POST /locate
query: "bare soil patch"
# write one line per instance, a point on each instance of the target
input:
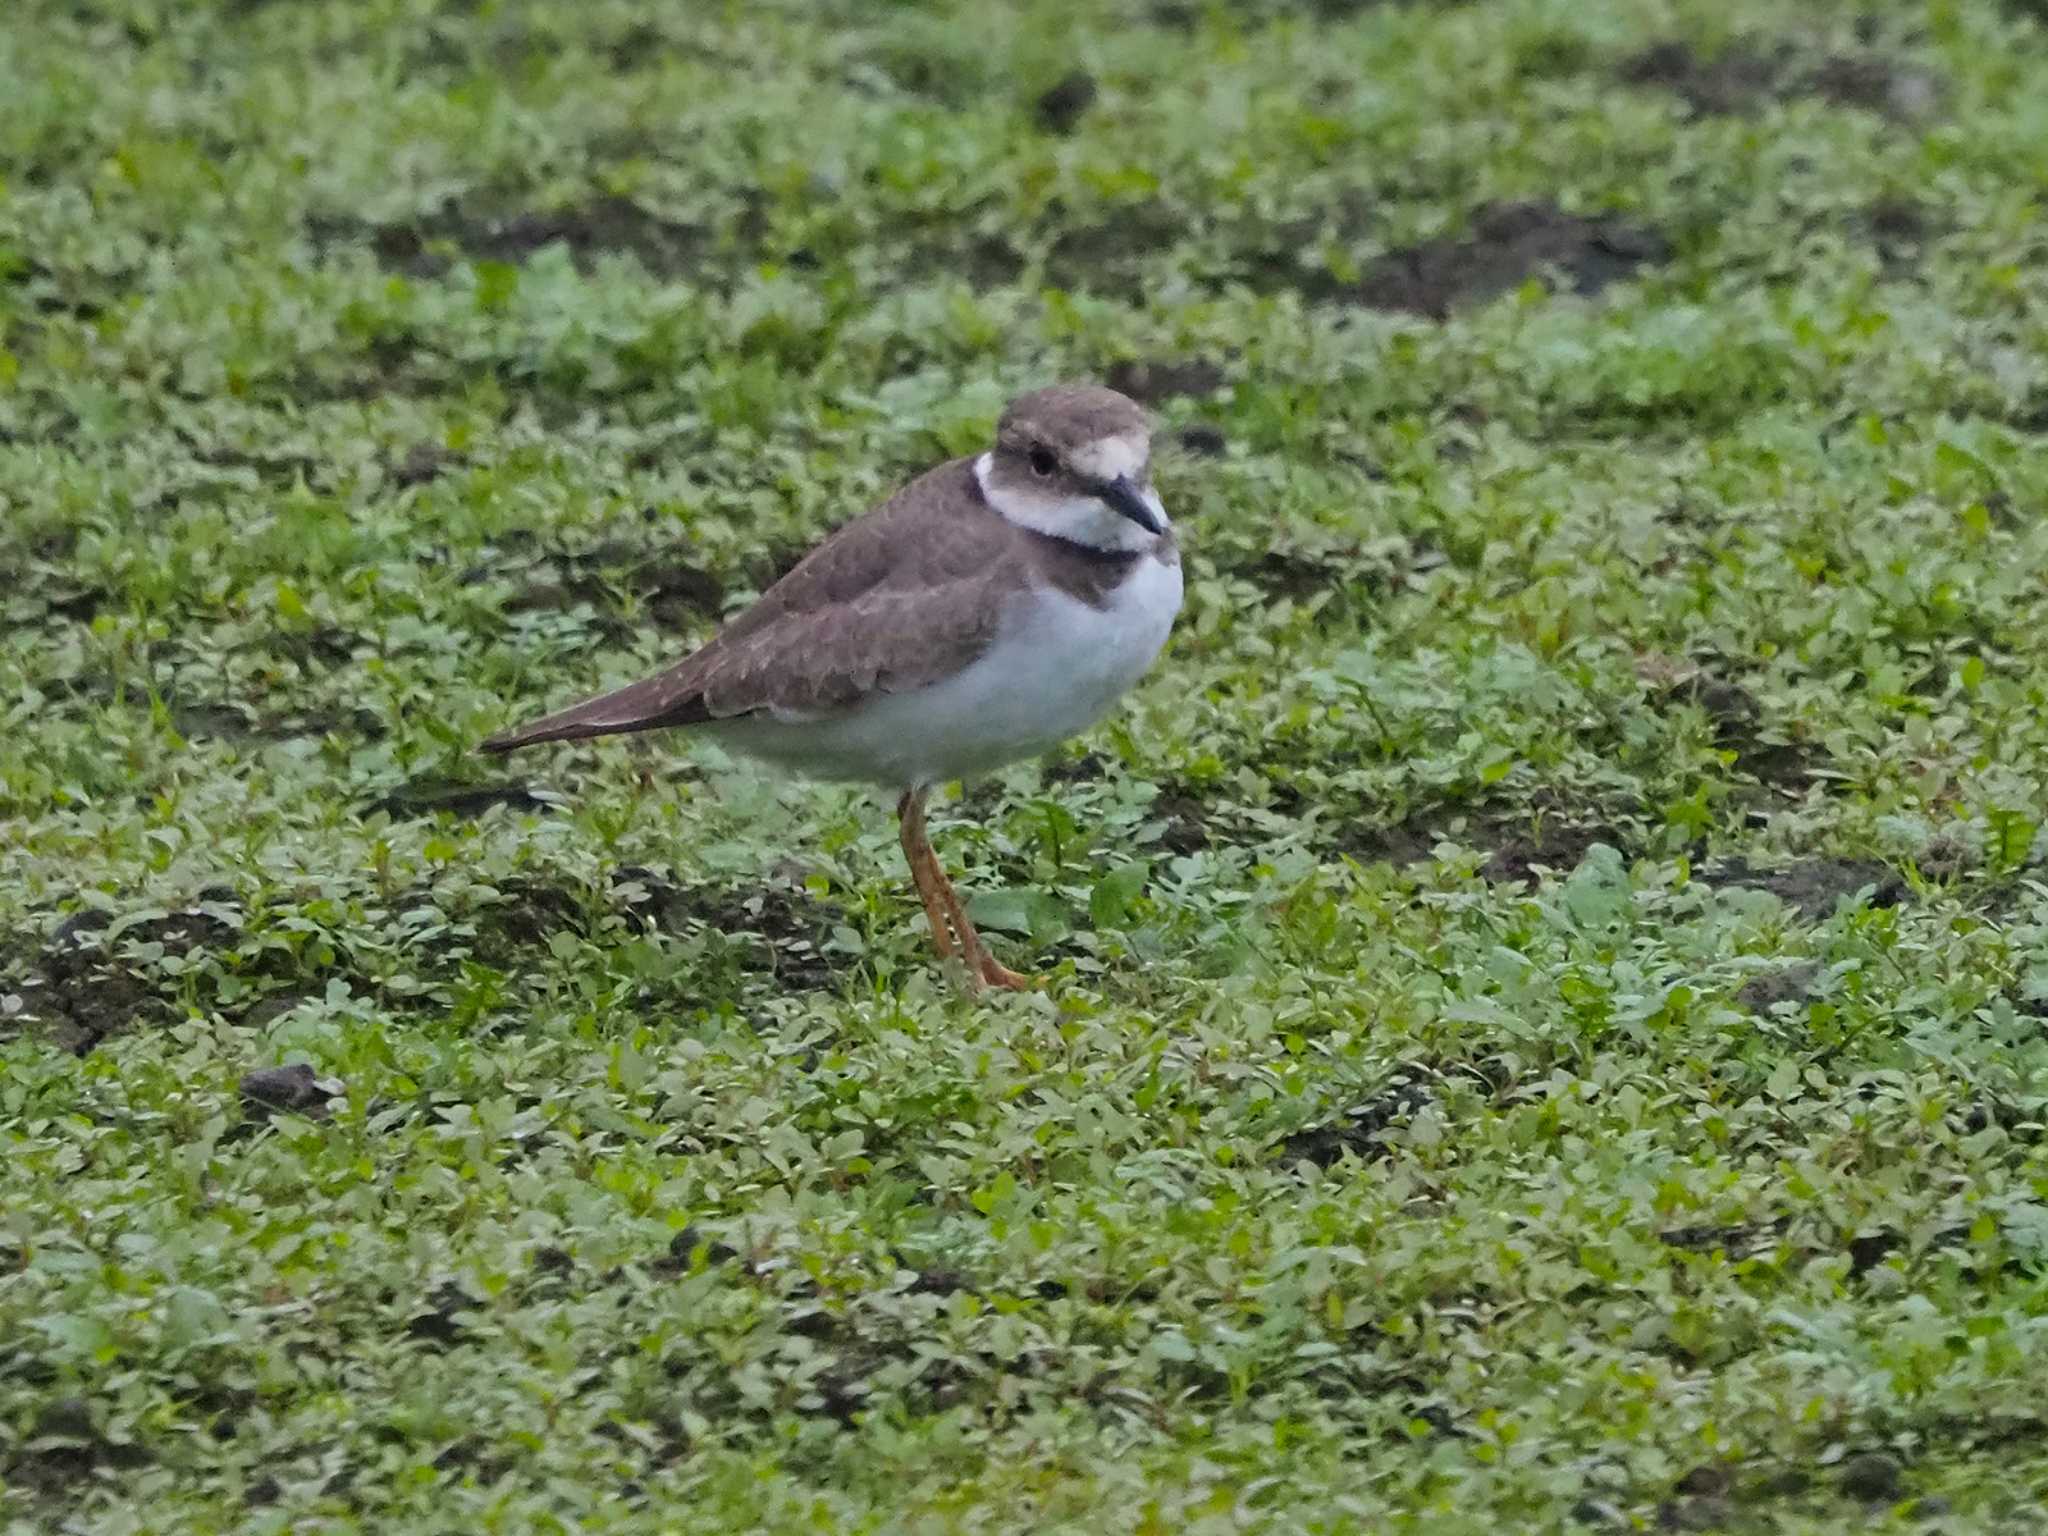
(427, 245)
(667, 586)
(1152, 381)
(1746, 76)
(1061, 108)
(293, 1089)
(1508, 244)
(1814, 887)
(82, 990)
(1786, 984)
(775, 926)
(1362, 1129)
(439, 797)
(1738, 719)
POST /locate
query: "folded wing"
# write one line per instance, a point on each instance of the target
(893, 601)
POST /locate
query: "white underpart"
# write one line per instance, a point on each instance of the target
(1079, 519)
(1056, 666)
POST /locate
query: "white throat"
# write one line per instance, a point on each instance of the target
(1077, 519)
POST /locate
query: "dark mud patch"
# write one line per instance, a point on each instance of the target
(278, 471)
(1288, 574)
(422, 464)
(198, 720)
(1154, 381)
(1187, 15)
(1814, 887)
(1507, 245)
(76, 293)
(1897, 219)
(1873, 1477)
(55, 597)
(1736, 79)
(870, 1338)
(428, 245)
(1552, 846)
(464, 802)
(777, 927)
(1060, 109)
(294, 1089)
(681, 1257)
(661, 582)
(1200, 441)
(1738, 1240)
(1785, 984)
(2027, 414)
(525, 915)
(1112, 257)
(1524, 844)
(1867, 1250)
(1086, 768)
(1352, 575)
(67, 1450)
(1361, 1130)
(317, 645)
(1399, 843)
(1900, 231)
(90, 982)
(1183, 822)
(982, 259)
(1874, 84)
(201, 720)
(1737, 718)
(439, 1325)
(1745, 77)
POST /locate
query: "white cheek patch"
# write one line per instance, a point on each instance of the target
(1080, 519)
(1108, 457)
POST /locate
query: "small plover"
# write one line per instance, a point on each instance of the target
(990, 609)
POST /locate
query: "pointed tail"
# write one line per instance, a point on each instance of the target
(650, 705)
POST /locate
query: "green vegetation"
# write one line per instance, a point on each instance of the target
(1547, 980)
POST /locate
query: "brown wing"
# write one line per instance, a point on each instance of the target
(894, 600)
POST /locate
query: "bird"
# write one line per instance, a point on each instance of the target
(987, 611)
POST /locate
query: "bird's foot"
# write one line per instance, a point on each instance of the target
(995, 974)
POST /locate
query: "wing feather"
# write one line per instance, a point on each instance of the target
(895, 600)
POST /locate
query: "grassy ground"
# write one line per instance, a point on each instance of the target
(1547, 979)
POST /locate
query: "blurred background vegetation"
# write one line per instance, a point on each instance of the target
(1547, 975)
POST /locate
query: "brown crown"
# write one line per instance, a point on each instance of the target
(1069, 416)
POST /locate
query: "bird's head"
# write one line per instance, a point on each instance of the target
(1075, 462)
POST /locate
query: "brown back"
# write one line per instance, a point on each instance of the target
(897, 599)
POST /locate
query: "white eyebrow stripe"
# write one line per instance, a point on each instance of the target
(1108, 457)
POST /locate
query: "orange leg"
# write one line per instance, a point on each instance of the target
(917, 852)
(980, 963)
(951, 931)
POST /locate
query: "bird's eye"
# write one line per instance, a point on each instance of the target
(1043, 463)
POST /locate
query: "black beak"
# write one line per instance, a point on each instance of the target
(1123, 495)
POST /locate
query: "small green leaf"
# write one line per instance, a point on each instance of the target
(496, 282)
(2009, 838)
(1031, 913)
(1110, 902)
